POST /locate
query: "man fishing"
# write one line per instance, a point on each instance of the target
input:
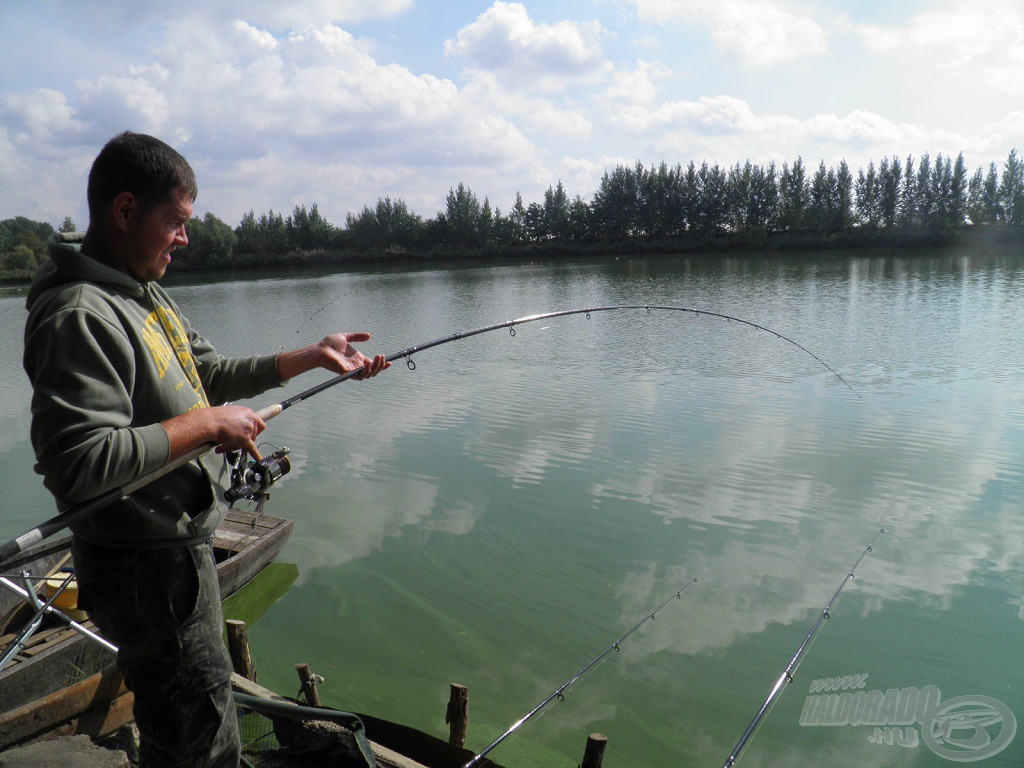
(123, 386)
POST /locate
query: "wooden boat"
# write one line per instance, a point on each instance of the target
(57, 657)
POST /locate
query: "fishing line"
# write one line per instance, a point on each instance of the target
(559, 693)
(787, 674)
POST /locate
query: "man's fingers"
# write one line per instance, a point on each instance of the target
(252, 450)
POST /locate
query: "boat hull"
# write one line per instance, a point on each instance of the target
(58, 657)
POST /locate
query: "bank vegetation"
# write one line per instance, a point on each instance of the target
(636, 209)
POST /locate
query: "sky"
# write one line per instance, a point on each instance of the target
(344, 102)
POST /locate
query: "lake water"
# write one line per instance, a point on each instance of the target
(500, 515)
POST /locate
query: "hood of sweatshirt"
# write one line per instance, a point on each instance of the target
(67, 265)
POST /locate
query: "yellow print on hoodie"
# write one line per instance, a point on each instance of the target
(173, 332)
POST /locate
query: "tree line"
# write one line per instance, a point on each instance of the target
(705, 207)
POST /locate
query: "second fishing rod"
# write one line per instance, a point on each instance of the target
(262, 475)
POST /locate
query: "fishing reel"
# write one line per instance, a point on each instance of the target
(251, 479)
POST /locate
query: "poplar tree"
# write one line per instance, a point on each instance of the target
(1011, 190)
(793, 196)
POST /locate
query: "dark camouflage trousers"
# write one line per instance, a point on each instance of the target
(161, 607)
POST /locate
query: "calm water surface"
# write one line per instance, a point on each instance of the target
(500, 515)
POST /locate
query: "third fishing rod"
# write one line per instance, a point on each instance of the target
(559, 693)
(275, 464)
(787, 674)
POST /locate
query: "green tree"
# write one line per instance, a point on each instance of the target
(517, 221)
(390, 224)
(739, 196)
(579, 220)
(842, 204)
(211, 243)
(556, 214)
(247, 233)
(24, 231)
(534, 224)
(68, 225)
(270, 234)
(463, 223)
(689, 191)
(615, 205)
(983, 197)
(19, 258)
(486, 225)
(712, 212)
(793, 196)
(502, 230)
(1011, 190)
(889, 178)
(762, 204)
(30, 240)
(819, 206)
(954, 204)
(867, 192)
(907, 214)
(308, 230)
(661, 209)
(925, 198)
(262, 237)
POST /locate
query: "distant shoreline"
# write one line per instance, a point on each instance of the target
(714, 246)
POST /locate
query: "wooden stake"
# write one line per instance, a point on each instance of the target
(238, 647)
(457, 715)
(593, 755)
(308, 680)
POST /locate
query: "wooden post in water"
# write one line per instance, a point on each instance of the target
(593, 755)
(457, 715)
(309, 680)
(238, 647)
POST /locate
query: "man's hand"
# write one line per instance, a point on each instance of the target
(342, 357)
(231, 427)
(334, 353)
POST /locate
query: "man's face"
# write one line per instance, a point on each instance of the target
(152, 234)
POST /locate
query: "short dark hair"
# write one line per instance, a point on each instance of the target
(143, 165)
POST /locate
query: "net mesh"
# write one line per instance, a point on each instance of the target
(280, 735)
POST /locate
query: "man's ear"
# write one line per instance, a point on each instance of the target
(124, 208)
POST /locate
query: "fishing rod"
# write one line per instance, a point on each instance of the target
(407, 354)
(559, 692)
(49, 527)
(787, 674)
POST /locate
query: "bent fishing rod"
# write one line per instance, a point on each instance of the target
(559, 693)
(787, 674)
(18, 544)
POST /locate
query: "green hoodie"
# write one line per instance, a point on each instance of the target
(110, 358)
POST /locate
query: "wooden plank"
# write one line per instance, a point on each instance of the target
(96, 706)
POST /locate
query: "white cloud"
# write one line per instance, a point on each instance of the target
(633, 87)
(332, 114)
(753, 33)
(534, 114)
(984, 37)
(270, 13)
(270, 121)
(139, 100)
(718, 114)
(38, 117)
(727, 130)
(505, 40)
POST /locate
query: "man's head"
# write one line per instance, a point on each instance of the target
(144, 166)
(140, 197)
